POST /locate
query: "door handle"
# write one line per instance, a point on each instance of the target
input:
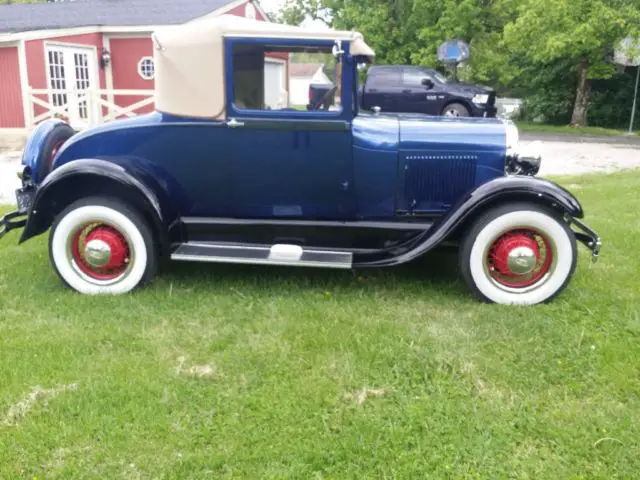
(406, 91)
(233, 123)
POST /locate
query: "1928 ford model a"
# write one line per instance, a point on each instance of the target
(222, 172)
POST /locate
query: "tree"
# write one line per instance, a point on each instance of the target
(409, 31)
(580, 32)
(549, 51)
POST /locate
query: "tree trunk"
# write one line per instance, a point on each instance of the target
(579, 117)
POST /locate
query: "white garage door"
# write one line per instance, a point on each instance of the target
(275, 95)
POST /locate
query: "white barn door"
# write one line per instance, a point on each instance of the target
(275, 85)
(72, 69)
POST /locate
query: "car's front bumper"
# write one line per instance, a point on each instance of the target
(483, 110)
(18, 218)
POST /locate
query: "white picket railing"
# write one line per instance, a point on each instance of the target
(83, 108)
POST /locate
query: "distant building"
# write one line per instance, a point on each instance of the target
(301, 75)
(94, 44)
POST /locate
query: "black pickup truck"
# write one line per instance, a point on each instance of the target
(413, 89)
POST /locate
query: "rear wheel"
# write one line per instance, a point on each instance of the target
(518, 254)
(455, 110)
(99, 246)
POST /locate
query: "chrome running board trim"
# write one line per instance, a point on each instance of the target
(279, 254)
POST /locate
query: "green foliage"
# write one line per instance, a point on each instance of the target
(529, 48)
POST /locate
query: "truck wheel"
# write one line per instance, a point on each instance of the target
(518, 254)
(58, 136)
(455, 110)
(100, 246)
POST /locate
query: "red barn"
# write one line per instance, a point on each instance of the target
(100, 46)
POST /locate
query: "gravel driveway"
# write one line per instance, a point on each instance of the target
(559, 158)
(9, 166)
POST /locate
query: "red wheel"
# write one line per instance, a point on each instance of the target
(54, 150)
(520, 258)
(101, 252)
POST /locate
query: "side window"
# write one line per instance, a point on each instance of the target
(286, 78)
(413, 78)
(384, 78)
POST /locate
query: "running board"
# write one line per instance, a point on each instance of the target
(279, 254)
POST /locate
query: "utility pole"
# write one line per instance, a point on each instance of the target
(635, 98)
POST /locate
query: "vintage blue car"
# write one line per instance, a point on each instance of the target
(226, 171)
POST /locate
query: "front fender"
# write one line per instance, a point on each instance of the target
(494, 192)
(524, 188)
(90, 177)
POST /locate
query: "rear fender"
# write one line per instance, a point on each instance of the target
(91, 177)
(493, 193)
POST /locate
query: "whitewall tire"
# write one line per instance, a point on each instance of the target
(100, 246)
(520, 254)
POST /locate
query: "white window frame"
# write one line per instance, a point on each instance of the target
(140, 72)
(92, 57)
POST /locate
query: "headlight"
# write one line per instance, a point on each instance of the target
(524, 161)
(481, 98)
(513, 136)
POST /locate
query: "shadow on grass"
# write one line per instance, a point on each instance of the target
(437, 270)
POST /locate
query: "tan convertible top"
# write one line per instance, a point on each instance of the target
(189, 60)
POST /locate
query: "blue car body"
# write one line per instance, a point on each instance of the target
(357, 188)
(370, 168)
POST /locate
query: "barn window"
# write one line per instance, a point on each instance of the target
(147, 68)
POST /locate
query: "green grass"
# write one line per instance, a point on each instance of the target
(243, 372)
(531, 127)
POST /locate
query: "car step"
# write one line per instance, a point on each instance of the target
(278, 254)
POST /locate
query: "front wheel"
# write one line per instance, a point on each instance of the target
(100, 246)
(518, 254)
(456, 110)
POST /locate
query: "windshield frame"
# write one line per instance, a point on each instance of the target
(439, 77)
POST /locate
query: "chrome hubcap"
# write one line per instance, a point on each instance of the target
(97, 253)
(522, 260)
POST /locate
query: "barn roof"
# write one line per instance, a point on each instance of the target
(89, 13)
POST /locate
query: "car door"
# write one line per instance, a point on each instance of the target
(287, 163)
(418, 97)
(383, 89)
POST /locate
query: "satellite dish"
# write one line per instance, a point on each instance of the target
(453, 51)
(628, 53)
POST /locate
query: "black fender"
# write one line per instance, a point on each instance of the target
(493, 192)
(88, 177)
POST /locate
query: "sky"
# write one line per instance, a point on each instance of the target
(274, 5)
(271, 5)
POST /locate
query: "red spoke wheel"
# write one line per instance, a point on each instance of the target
(520, 258)
(101, 252)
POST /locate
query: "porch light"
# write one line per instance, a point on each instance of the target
(105, 59)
